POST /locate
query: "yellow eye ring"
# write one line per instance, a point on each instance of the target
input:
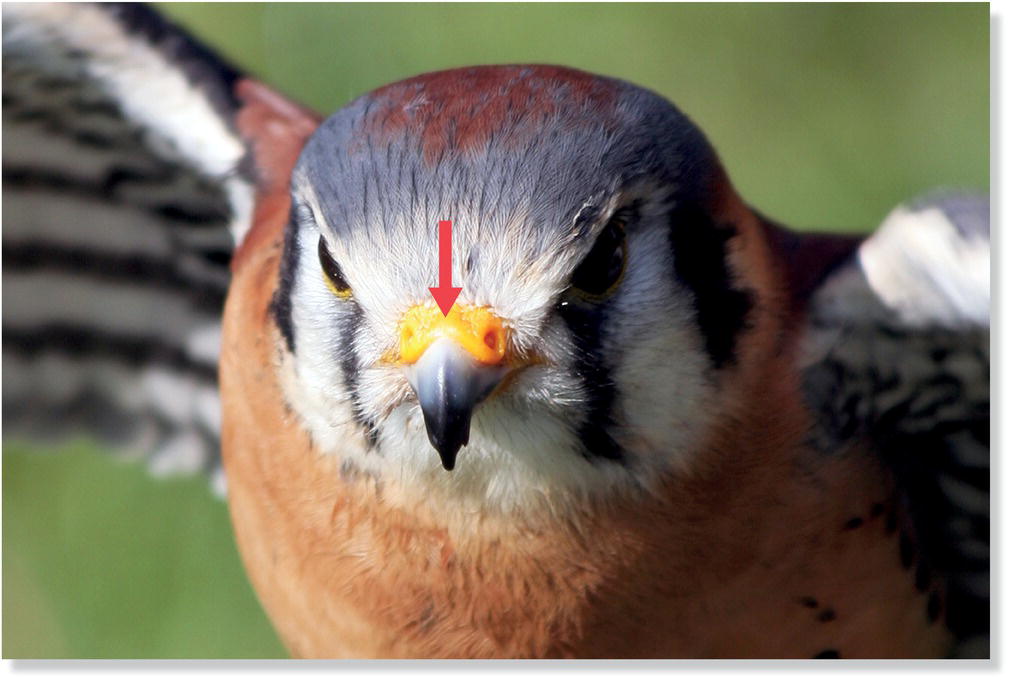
(333, 277)
(340, 293)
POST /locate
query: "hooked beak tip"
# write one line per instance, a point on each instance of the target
(449, 384)
(448, 456)
(448, 432)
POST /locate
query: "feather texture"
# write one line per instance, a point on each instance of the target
(898, 356)
(123, 196)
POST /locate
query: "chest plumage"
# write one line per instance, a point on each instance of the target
(767, 548)
(654, 423)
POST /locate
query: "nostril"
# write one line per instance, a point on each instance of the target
(492, 340)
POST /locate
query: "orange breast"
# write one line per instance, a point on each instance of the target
(754, 558)
(755, 553)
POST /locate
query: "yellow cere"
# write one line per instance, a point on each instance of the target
(476, 329)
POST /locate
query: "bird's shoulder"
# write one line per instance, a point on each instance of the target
(895, 355)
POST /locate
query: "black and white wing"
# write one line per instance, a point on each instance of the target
(898, 357)
(124, 192)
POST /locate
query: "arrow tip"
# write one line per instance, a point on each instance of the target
(445, 297)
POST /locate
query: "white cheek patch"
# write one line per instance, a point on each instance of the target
(664, 401)
(315, 386)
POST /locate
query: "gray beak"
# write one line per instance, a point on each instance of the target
(449, 382)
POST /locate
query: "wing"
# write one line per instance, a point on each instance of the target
(897, 355)
(130, 172)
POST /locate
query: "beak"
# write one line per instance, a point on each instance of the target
(452, 363)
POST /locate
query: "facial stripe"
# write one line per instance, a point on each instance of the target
(699, 252)
(281, 303)
(585, 322)
(349, 360)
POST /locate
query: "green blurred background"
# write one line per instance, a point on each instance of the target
(825, 115)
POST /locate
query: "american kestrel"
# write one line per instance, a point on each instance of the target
(653, 423)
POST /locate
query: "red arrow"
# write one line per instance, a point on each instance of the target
(445, 294)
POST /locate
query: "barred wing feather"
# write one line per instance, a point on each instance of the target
(125, 189)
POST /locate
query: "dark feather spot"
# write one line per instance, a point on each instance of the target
(92, 139)
(906, 551)
(922, 577)
(891, 522)
(876, 511)
(853, 523)
(826, 615)
(189, 214)
(426, 620)
(809, 602)
(827, 654)
(934, 607)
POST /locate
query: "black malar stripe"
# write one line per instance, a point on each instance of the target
(350, 370)
(586, 323)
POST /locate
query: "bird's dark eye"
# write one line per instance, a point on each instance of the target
(332, 272)
(601, 271)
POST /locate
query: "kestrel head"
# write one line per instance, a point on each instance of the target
(598, 308)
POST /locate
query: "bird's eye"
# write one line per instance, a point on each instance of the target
(332, 272)
(601, 271)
